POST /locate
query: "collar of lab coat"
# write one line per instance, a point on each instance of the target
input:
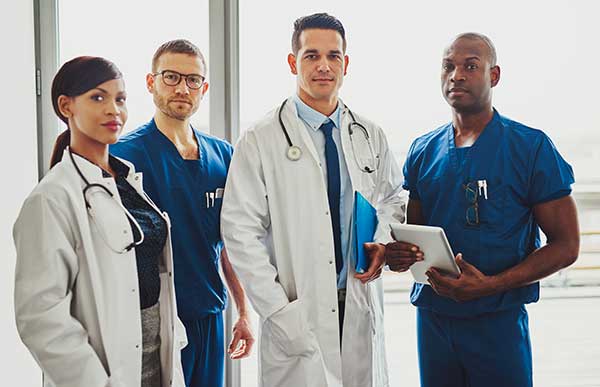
(93, 173)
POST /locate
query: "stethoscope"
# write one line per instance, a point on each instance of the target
(88, 206)
(294, 153)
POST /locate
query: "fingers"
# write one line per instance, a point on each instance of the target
(462, 264)
(234, 342)
(244, 350)
(373, 273)
(399, 268)
(402, 246)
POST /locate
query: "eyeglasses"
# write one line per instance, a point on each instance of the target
(172, 78)
(471, 194)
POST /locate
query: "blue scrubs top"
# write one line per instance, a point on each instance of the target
(522, 168)
(179, 187)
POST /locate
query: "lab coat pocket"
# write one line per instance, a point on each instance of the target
(367, 179)
(289, 330)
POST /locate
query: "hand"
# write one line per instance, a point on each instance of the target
(469, 285)
(400, 256)
(241, 344)
(376, 252)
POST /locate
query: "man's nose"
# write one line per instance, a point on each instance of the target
(182, 87)
(323, 66)
(457, 75)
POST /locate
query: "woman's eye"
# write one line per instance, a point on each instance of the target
(97, 98)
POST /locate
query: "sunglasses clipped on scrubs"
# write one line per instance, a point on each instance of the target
(90, 192)
(294, 153)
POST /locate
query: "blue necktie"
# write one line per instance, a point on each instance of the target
(333, 190)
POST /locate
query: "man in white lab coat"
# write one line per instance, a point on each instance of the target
(286, 222)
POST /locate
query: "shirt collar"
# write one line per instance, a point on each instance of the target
(120, 168)
(313, 118)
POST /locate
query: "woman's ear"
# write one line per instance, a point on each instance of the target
(64, 106)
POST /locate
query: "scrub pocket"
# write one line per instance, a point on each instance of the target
(492, 209)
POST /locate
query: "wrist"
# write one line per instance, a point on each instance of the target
(495, 285)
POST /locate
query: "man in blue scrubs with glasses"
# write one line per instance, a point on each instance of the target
(184, 172)
(491, 183)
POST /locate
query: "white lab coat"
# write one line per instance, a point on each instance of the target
(76, 301)
(277, 230)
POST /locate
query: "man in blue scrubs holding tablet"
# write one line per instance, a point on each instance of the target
(184, 172)
(491, 183)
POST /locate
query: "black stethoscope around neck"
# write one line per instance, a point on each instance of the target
(294, 152)
(86, 191)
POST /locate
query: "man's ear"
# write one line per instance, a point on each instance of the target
(495, 75)
(204, 89)
(346, 61)
(291, 58)
(150, 82)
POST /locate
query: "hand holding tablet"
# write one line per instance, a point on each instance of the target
(433, 250)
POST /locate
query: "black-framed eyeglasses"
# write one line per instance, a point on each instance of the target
(172, 78)
(471, 194)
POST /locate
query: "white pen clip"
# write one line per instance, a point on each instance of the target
(212, 199)
(207, 200)
(482, 186)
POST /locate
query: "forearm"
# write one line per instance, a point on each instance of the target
(234, 285)
(539, 264)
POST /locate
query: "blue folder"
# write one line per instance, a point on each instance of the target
(364, 219)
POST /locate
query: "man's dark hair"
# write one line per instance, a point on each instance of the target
(321, 21)
(178, 46)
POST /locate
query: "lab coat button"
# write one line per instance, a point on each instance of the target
(331, 262)
(124, 231)
(137, 345)
(327, 213)
(333, 310)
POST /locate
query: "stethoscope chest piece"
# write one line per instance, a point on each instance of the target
(294, 153)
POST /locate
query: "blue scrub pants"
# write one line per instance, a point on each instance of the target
(491, 350)
(203, 359)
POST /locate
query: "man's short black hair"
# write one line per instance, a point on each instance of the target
(321, 21)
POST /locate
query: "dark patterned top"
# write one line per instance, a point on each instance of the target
(153, 225)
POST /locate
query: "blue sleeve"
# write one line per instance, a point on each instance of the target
(551, 176)
(410, 172)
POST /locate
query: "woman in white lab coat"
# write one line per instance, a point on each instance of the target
(276, 226)
(94, 295)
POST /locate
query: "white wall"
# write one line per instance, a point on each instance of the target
(18, 168)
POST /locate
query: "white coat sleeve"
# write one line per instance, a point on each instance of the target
(391, 198)
(245, 224)
(46, 269)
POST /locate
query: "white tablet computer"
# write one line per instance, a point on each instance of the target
(433, 243)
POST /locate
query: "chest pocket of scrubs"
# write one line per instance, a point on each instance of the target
(211, 207)
(492, 210)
